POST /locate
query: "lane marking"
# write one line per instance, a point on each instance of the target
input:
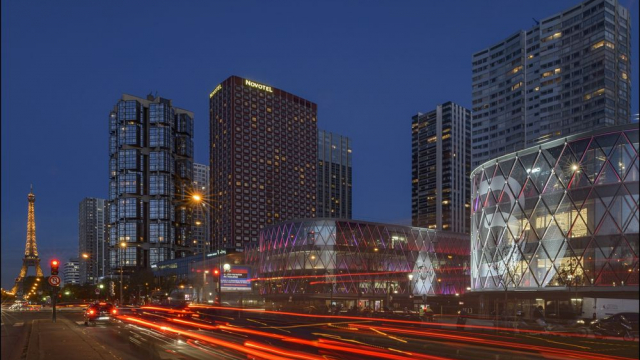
(557, 342)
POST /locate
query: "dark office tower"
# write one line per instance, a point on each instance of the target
(568, 74)
(201, 229)
(92, 245)
(334, 176)
(263, 159)
(440, 168)
(150, 182)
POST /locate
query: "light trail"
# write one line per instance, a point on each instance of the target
(503, 344)
(205, 338)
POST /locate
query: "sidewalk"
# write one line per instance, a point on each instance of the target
(62, 340)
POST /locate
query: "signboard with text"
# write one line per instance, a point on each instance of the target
(236, 279)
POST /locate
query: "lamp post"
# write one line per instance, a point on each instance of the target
(410, 276)
(197, 198)
(123, 246)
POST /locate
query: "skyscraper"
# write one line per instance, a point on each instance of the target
(201, 231)
(150, 182)
(263, 159)
(567, 74)
(440, 168)
(92, 245)
(334, 176)
(71, 272)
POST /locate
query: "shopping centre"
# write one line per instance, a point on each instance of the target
(557, 223)
(318, 262)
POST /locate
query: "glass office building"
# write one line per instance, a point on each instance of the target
(559, 216)
(322, 260)
(440, 167)
(335, 176)
(150, 182)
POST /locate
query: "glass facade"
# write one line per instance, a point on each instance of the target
(335, 176)
(440, 167)
(92, 242)
(560, 215)
(150, 181)
(324, 258)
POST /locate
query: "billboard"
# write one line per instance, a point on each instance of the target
(237, 278)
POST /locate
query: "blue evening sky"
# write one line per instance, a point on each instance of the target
(369, 65)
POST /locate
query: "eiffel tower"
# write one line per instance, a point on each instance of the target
(31, 251)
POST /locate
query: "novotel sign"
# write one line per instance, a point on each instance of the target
(218, 88)
(257, 86)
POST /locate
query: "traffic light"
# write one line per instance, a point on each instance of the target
(54, 267)
(216, 272)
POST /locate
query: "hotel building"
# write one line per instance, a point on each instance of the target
(263, 159)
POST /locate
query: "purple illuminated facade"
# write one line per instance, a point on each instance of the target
(320, 260)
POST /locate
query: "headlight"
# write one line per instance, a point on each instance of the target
(580, 322)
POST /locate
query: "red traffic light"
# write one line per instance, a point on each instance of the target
(54, 267)
(216, 272)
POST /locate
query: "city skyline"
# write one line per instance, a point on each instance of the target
(367, 79)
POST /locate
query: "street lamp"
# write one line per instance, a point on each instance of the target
(410, 276)
(197, 198)
(123, 246)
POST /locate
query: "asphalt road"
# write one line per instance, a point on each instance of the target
(153, 334)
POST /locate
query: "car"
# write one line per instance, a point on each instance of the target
(99, 312)
(623, 324)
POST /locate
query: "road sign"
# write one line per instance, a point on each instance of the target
(97, 291)
(54, 280)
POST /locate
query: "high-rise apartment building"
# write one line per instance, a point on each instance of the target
(440, 168)
(569, 73)
(334, 176)
(201, 230)
(92, 245)
(150, 182)
(263, 159)
(71, 272)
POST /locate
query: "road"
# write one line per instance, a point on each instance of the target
(206, 333)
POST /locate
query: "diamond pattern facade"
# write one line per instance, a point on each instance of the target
(563, 214)
(328, 257)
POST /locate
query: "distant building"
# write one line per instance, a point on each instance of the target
(201, 230)
(568, 74)
(150, 182)
(334, 176)
(263, 159)
(92, 243)
(440, 167)
(72, 272)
